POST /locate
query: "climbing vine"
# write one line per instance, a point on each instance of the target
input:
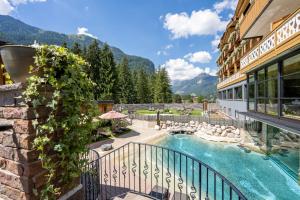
(62, 137)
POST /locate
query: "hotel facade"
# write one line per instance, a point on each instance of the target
(259, 76)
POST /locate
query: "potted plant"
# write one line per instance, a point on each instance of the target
(17, 59)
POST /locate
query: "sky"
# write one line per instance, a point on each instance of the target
(180, 35)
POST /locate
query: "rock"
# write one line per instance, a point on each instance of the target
(176, 123)
(192, 123)
(223, 128)
(237, 131)
(168, 122)
(219, 130)
(163, 126)
(209, 132)
(169, 128)
(217, 126)
(230, 135)
(106, 147)
(224, 133)
(156, 127)
(228, 130)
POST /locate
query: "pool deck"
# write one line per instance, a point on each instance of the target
(141, 131)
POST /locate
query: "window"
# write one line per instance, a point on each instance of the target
(230, 93)
(238, 92)
(264, 89)
(291, 87)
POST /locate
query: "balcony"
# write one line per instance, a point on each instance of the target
(235, 78)
(254, 12)
(145, 171)
(284, 37)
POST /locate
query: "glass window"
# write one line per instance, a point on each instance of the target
(271, 106)
(272, 72)
(238, 92)
(261, 105)
(251, 78)
(230, 93)
(272, 88)
(261, 75)
(291, 87)
(261, 89)
(251, 104)
(251, 91)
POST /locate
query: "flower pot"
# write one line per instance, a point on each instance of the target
(17, 59)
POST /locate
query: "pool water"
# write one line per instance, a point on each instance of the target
(256, 176)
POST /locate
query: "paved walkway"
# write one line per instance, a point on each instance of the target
(141, 131)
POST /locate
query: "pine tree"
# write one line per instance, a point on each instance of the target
(93, 57)
(142, 87)
(76, 49)
(162, 87)
(126, 88)
(134, 76)
(108, 84)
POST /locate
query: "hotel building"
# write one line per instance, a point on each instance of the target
(259, 76)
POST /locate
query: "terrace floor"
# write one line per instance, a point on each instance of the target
(141, 131)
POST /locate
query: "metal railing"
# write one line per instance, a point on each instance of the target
(185, 119)
(155, 172)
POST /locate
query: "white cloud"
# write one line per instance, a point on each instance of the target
(7, 6)
(199, 57)
(180, 69)
(225, 4)
(84, 31)
(169, 46)
(215, 43)
(201, 22)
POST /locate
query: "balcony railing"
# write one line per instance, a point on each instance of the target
(230, 79)
(155, 172)
(278, 37)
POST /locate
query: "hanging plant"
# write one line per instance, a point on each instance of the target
(6, 76)
(62, 137)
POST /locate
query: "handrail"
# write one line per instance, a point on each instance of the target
(112, 171)
(272, 40)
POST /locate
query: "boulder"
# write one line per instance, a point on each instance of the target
(219, 130)
(224, 133)
(217, 126)
(230, 135)
(228, 130)
(156, 127)
(168, 122)
(163, 126)
(223, 128)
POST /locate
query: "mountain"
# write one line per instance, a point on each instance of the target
(17, 32)
(203, 84)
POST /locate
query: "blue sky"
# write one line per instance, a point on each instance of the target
(180, 35)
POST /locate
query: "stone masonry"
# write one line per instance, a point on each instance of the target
(21, 173)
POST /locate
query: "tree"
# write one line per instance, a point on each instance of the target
(177, 98)
(162, 88)
(76, 49)
(142, 87)
(108, 84)
(125, 85)
(65, 45)
(200, 99)
(93, 58)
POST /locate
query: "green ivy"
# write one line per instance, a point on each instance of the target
(63, 137)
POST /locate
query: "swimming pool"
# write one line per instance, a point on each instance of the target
(254, 174)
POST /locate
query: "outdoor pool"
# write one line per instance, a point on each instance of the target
(256, 176)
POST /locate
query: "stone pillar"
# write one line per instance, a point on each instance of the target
(21, 173)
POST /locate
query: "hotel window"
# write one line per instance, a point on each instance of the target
(238, 93)
(251, 92)
(261, 86)
(272, 90)
(220, 95)
(230, 93)
(291, 87)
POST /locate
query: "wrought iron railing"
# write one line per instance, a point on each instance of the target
(155, 172)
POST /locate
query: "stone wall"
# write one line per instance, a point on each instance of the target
(21, 172)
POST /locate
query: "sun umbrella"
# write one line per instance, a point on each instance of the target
(113, 115)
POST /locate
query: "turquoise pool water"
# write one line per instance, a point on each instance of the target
(252, 173)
